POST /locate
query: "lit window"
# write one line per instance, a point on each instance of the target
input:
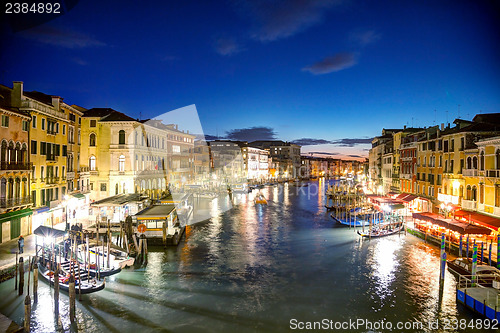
(121, 163)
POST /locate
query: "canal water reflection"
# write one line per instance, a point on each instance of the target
(256, 268)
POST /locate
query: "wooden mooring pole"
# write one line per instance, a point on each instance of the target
(72, 297)
(56, 292)
(35, 280)
(15, 284)
(27, 313)
(21, 276)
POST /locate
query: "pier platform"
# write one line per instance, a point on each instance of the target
(481, 299)
(9, 326)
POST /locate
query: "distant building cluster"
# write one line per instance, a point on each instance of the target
(451, 169)
(59, 158)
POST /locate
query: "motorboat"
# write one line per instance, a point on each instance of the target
(260, 199)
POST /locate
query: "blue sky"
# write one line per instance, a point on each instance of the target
(320, 70)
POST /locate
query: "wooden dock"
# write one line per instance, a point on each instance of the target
(480, 299)
(9, 326)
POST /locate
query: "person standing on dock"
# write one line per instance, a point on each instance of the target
(20, 244)
(67, 245)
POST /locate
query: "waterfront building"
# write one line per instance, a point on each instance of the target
(15, 169)
(285, 156)
(256, 163)
(408, 163)
(201, 163)
(227, 162)
(47, 152)
(180, 145)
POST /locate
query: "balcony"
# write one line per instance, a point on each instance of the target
(52, 180)
(52, 158)
(469, 204)
(70, 175)
(51, 132)
(14, 202)
(15, 166)
(470, 172)
(35, 105)
(491, 173)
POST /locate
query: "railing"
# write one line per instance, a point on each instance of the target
(15, 166)
(70, 175)
(51, 132)
(493, 173)
(32, 104)
(469, 204)
(470, 172)
(52, 158)
(13, 202)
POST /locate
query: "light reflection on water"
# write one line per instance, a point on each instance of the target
(255, 268)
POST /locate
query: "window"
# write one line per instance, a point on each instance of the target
(92, 163)
(497, 159)
(5, 121)
(176, 149)
(103, 187)
(43, 124)
(481, 193)
(64, 150)
(79, 135)
(25, 126)
(481, 161)
(64, 129)
(121, 137)
(92, 140)
(41, 172)
(57, 127)
(43, 148)
(93, 123)
(121, 163)
(497, 195)
(33, 121)
(33, 146)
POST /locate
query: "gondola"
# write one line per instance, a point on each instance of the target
(381, 232)
(88, 285)
(463, 266)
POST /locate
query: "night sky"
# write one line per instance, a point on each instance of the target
(332, 73)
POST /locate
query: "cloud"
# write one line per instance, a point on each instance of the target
(352, 142)
(80, 61)
(65, 38)
(355, 156)
(284, 18)
(320, 153)
(331, 64)
(226, 46)
(310, 142)
(251, 134)
(365, 37)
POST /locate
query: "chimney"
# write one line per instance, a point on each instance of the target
(442, 126)
(56, 100)
(17, 93)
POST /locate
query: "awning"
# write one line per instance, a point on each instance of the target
(397, 206)
(409, 197)
(44, 231)
(481, 219)
(78, 195)
(455, 225)
(15, 214)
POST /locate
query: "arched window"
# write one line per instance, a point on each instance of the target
(481, 193)
(474, 162)
(92, 140)
(469, 192)
(469, 163)
(497, 159)
(474, 193)
(4, 151)
(116, 188)
(121, 163)
(121, 137)
(461, 193)
(481, 161)
(92, 163)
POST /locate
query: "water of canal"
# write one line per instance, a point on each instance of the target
(267, 269)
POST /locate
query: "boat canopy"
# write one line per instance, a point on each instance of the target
(48, 232)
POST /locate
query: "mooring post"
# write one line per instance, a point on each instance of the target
(27, 313)
(15, 285)
(79, 283)
(21, 276)
(35, 281)
(72, 297)
(56, 292)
